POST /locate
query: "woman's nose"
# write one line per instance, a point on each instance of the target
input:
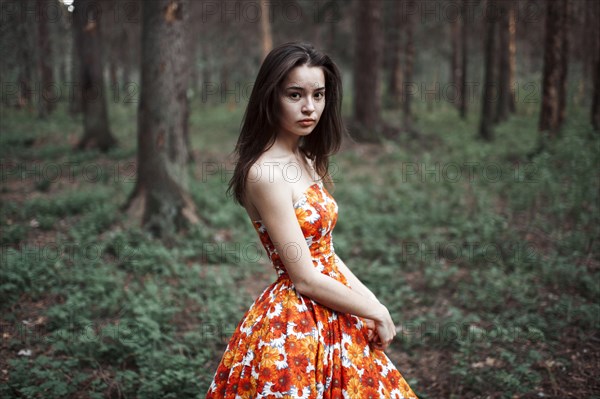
(308, 106)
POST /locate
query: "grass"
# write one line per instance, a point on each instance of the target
(487, 259)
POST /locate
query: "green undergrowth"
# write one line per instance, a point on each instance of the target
(478, 250)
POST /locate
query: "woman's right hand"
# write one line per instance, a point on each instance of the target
(385, 329)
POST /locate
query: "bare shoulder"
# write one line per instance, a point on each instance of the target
(266, 179)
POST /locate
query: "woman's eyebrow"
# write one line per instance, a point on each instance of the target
(302, 89)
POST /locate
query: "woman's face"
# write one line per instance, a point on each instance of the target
(302, 100)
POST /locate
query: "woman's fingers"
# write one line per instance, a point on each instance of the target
(385, 331)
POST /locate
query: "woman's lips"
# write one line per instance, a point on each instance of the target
(306, 122)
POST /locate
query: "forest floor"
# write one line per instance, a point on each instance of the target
(494, 281)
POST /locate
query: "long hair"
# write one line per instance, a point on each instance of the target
(260, 123)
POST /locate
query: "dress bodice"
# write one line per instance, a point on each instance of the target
(317, 213)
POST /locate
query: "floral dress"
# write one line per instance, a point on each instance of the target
(289, 346)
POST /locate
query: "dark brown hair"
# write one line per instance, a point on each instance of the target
(259, 128)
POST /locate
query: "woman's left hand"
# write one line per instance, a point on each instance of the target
(371, 328)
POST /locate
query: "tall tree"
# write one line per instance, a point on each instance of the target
(512, 54)
(395, 82)
(75, 95)
(86, 19)
(160, 197)
(595, 112)
(367, 65)
(409, 62)
(46, 103)
(455, 58)
(265, 25)
(564, 61)
(24, 55)
(595, 60)
(504, 89)
(487, 110)
(553, 68)
(464, 50)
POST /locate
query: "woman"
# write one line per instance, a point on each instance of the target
(317, 331)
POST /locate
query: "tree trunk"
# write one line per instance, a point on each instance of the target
(97, 134)
(464, 40)
(564, 61)
(126, 62)
(409, 59)
(265, 25)
(160, 197)
(487, 111)
(455, 59)
(44, 61)
(24, 57)
(75, 100)
(550, 110)
(112, 73)
(512, 55)
(595, 58)
(395, 85)
(551, 84)
(503, 103)
(367, 67)
(596, 99)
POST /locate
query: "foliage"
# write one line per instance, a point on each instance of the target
(492, 267)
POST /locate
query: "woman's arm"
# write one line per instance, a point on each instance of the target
(354, 281)
(272, 197)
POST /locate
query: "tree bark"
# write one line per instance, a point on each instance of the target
(512, 55)
(455, 58)
(75, 98)
(487, 111)
(367, 67)
(564, 61)
(395, 83)
(44, 60)
(595, 58)
(409, 58)
(464, 40)
(551, 85)
(503, 103)
(97, 134)
(265, 25)
(160, 197)
(24, 57)
(596, 97)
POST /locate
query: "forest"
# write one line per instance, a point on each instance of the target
(468, 189)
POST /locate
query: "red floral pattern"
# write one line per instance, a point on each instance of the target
(289, 346)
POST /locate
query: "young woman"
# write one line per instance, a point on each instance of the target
(317, 331)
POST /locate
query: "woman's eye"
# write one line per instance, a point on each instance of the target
(295, 96)
(319, 96)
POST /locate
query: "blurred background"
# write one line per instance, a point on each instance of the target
(468, 188)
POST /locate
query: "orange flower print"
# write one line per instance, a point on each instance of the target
(354, 389)
(370, 393)
(308, 344)
(228, 359)
(369, 379)
(355, 353)
(300, 381)
(248, 391)
(266, 374)
(298, 361)
(278, 326)
(269, 357)
(351, 373)
(250, 319)
(282, 383)
(303, 325)
(289, 346)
